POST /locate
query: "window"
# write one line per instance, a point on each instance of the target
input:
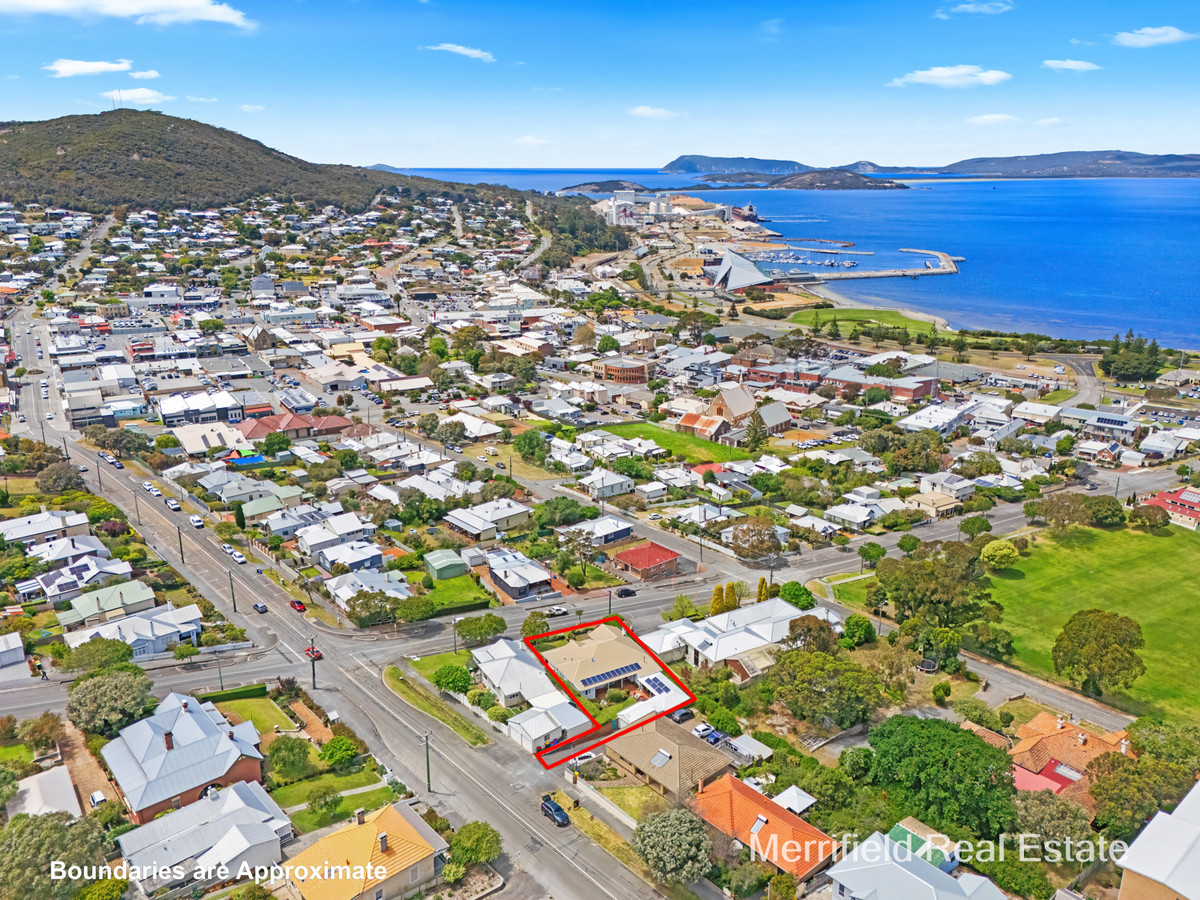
(414, 875)
(378, 893)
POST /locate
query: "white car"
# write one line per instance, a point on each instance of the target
(556, 611)
(654, 517)
(238, 557)
(155, 492)
(49, 415)
(196, 521)
(703, 730)
(482, 458)
(147, 486)
(582, 758)
(228, 549)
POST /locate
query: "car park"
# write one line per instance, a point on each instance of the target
(196, 521)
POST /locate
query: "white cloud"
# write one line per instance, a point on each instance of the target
(652, 112)
(251, 107)
(993, 119)
(1070, 65)
(1048, 123)
(192, 99)
(1077, 42)
(989, 8)
(11, 77)
(529, 140)
(952, 77)
(771, 26)
(138, 96)
(147, 74)
(1153, 37)
(69, 68)
(143, 12)
(469, 52)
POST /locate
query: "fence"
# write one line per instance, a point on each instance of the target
(594, 796)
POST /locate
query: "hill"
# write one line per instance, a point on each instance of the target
(693, 163)
(604, 187)
(1070, 164)
(145, 158)
(833, 180)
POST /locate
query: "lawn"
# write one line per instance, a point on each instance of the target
(262, 711)
(427, 665)
(432, 705)
(18, 752)
(638, 800)
(598, 578)
(457, 591)
(1078, 570)
(305, 821)
(1058, 396)
(697, 450)
(297, 793)
(889, 318)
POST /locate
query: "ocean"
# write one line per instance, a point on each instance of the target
(1082, 258)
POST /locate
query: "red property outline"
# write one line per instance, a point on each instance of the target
(596, 726)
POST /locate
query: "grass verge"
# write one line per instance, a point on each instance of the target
(431, 705)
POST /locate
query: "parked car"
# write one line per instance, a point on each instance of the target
(703, 730)
(81, 468)
(238, 557)
(554, 812)
(680, 716)
(298, 606)
(96, 798)
(196, 521)
(626, 592)
(117, 464)
(586, 756)
(155, 492)
(715, 737)
(172, 504)
(228, 548)
(260, 607)
(556, 611)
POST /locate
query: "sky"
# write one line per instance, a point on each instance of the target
(535, 84)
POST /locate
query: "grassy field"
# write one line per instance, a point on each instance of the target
(889, 318)
(434, 706)
(305, 821)
(459, 591)
(638, 800)
(697, 450)
(18, 752)
(1144, 576)
(427, 665)
(295, 794)
(262, 711)
(1058, 396)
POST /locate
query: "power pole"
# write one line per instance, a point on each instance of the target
(179, 533)
(232, 595)
(312, 658)
(66, 453)
(428, 778)
(137, 511)
(220, 674)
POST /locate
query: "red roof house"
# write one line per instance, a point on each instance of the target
(648, 561)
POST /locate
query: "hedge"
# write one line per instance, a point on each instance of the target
(238, 693)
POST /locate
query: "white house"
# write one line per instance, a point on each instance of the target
(603, 483)
(148, 633)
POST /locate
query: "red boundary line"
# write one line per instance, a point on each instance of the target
(596, 726)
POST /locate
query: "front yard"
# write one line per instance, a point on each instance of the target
(697, 450)
(637, 800)
(452, 592)
(305, 821)
(427, 665)
(297, 793)
(262, 711)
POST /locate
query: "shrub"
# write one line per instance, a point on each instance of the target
(859, 630)
(451, 677)
(499, 714)
(340, 752)
(797, 594)
(616, 695)
(453, 872)
(723, 720)
(941, 693)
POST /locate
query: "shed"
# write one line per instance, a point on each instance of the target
(443, 564)
(12, 649)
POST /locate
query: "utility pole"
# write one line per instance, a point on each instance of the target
(232, 595)
(312, 658)
(220, 674)
(179, 533)
(428, 778)
(137, 510)
(66, 453)
(610, 601)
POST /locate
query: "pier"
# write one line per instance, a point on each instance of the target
(947, 265)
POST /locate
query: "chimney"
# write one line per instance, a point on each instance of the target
(169, 740)
(1082, 739)
(1059, 721)
(230, 733)
(360, 816)
(1124, 747)
(184, 705)
(383, 842)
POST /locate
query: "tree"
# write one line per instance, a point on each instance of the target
(754, 538)
(908, 543)
(717, 604)
(226, 531)
(683, 607)
(812, 635)
(1148, 517)
(674, 845)
(428, 423)
(475, 843)
(289, 756)
(323, 799)
(608, 344)
(783, 885)
(577, 543)
(535, 623)
(1104, 511)
(32, 843)
(102, 511)
(817, 685)
(979, 712)
(859, 630)
(8, 784)
(999, 555)
(1128, 793)
(973, 526)
(797, 594)
(1099, 649)
(453, 678)
(530, 444)
(949, 773)
(416, 609)
(43, 732)
(724, 720)
(98, 653)
(339, 751)
(941, 693)
(59, 478)
(186, 651)
(1177, 742)
(947, 589)
(871, 553)
(1062, 510)
(371, 607)
(1051, 818)
(108, 703)
(761, 593)
(275, 443)
(479, 629)
(451, 433)
(756, 433)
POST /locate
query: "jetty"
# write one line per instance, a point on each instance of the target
(947, 265)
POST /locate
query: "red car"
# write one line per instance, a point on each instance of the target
(313, 653)
(298, 606)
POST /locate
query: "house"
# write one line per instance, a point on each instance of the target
(60, 585)
(854, 516)
(1182, 506)
(1107, 452)
(509, 670)
(43, 527)
(231, 826)
(1165, 443)
(1053, 754)
(343, 588)
(386, 854)
(539, 727)
(651, 490)
(603, 483)
(333, 531)
(148, 633)
(934, 504)
(513, 573)
(624, 370)
(880, 867)
(601, 531)
(49, 791)
(173, 757)
(1163, 863)
(64, 551)
(649, 561)
(107, 605)
(948, 483)
(668, 758)
(773, 834)
(467, 523)
(354, 555)
(504, 513)
(443, 564)
(734, 405)
(605, 658)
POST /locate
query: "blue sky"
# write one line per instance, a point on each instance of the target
(529, 83)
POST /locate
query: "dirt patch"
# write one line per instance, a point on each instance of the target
(313, 726)
(87, 774)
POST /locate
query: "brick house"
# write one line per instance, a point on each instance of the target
(649, 561)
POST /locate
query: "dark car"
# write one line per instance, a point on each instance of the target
(118, 465)
(298, 606)
(680, 716)
(260, 607)
(626, 592)
(554, 812)
(716, 737)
